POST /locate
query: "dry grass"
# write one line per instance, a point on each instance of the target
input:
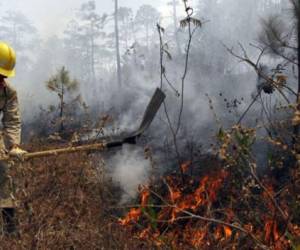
(67, 202)
(63, 205)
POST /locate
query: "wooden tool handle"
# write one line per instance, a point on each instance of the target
(53, 152)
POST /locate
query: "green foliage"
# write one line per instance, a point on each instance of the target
(274, 34)
(294, 242)
(190, 20)
(152, 215)
(244, 139)
(61, 82)
(221, 134)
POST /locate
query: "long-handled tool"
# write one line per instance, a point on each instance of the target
(152, 108)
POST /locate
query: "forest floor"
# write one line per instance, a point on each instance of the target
(69, 202)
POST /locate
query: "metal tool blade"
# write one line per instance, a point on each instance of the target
(151, 110)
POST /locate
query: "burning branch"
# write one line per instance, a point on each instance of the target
(179, 206)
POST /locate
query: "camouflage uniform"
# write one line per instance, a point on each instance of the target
(10, 135)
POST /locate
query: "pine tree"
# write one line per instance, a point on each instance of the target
(62, 85)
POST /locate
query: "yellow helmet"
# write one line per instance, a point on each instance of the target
(7, 60)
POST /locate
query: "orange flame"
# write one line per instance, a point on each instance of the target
(275, 232)
(146, 233)
(174, 194)
(198, 237)
(204, 194)
(185, 166)
(218, 233)
(269, 191)
(201, 200)
(144, 197)
(185, 200)
(228, 232)
(222, 230)
(271, 231)
(133, 215)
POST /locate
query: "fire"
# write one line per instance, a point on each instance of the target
(169, 221)
(271, 231)
(197, 238)
(144, 233)
(224, 232)
(276, 235)
(269, 191)
(144, 197)
(205, 194)
(228, 232)
(185, 166)
(135, 213)
(218, 233)
(175, 194)
(153, 235)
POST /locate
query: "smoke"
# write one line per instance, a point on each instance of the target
(207, 46)
(213, 74)
(130, 169)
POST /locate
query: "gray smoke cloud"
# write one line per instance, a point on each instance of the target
(212, 70)
(130, 169)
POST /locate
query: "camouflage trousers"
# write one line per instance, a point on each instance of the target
(6, 182)
(6, 187)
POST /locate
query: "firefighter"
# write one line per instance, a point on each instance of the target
(10, 135)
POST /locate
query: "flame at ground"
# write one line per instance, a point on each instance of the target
(185, 166)
(135, 213)
(271, 231)
(203, 195)
(169, 215)
(179, 201)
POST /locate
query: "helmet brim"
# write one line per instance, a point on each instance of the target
(7, 73)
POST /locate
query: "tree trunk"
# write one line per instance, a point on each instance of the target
(175, 23)
(297, 127)
(61, 115)
(93, 54)
(147, 36)
(117, 45)
(298, 36)
(125, 25)
(298, 92)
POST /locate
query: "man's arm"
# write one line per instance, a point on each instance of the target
(11, 119)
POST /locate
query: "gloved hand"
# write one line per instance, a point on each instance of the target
(17, 152)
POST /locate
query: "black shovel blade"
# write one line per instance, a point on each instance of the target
(151, 110)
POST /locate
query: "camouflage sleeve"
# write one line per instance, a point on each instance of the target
(11, 119)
